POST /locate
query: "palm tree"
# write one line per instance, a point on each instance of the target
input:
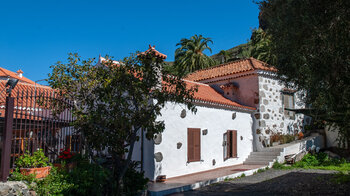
(189, 56)
(224, 56)
(261, 46)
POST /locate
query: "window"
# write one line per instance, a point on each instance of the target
(230, 144)
(288, 102)
(193, 144)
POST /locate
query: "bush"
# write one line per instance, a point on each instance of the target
(86, 179)
(38, 159)
(89, 179)
(55, 183)
(134, 181)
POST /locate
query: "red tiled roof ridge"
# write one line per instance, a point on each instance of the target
(156, 52)
(238, 66)
(28, 84)
(8, 73)
(194, 82)
(220, 65)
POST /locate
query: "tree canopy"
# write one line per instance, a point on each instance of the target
(261, 46)
(310, 39)
(190, 55)
(114, 101)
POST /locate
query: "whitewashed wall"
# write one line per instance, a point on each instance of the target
(148, 155)
(217, 122)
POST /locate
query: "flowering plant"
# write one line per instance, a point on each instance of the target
(66, 155)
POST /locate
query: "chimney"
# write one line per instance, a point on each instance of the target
(20, 73)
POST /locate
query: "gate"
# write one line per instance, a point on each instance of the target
(35, 117)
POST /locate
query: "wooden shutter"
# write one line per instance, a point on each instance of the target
(231, 143)
(234, 143)
(225, 146)
(197, 144)
(193, 144)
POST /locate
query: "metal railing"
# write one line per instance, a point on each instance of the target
(35, 119)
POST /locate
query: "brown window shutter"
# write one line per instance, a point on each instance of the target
(234, 143)
(190, 145)
(193, 144)
(197, 144)
(229, 144)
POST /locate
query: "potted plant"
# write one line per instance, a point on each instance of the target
(37, 164)
(66, 159)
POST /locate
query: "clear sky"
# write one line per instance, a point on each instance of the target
(36, 34)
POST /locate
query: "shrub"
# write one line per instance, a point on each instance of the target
(89, 179)
(134, 181)
(38, 159)
(287, 139)
(55, 183)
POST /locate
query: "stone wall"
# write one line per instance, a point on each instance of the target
(15, 188)
(270, 117)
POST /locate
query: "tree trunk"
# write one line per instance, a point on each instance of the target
(124, 166)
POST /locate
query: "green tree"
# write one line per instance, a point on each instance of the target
(114, 102)
(311, 39)
(224, 56)
(261, 46)
(190, 55)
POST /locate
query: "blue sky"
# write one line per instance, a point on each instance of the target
(36, 34)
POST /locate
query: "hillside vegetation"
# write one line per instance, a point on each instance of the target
(237, 52)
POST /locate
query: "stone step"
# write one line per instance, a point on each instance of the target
(256, 162)
(271, 150)
(261, 155)
(261, 159)
(267, 153)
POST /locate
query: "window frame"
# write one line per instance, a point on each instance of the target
(291, 104)
(228, 138)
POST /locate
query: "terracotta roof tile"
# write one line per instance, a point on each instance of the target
(208, 94)
(7, 73)
(25, 92)
(153, 50)
(234, 67)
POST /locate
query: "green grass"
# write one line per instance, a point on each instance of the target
(318, 161)
(230, 179)
(261, 170)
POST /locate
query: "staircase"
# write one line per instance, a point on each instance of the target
(264, 157)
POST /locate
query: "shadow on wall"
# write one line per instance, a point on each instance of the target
(158, 170)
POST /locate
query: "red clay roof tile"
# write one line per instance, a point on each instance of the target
(234, 67)
(153, 50)
(208, 94)
(7, 73)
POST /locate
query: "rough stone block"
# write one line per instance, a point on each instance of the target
(158, 156)
(266, 116)
(157, 138)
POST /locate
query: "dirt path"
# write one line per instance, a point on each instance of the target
(278, 182)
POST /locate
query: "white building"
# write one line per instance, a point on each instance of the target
(239, 105)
